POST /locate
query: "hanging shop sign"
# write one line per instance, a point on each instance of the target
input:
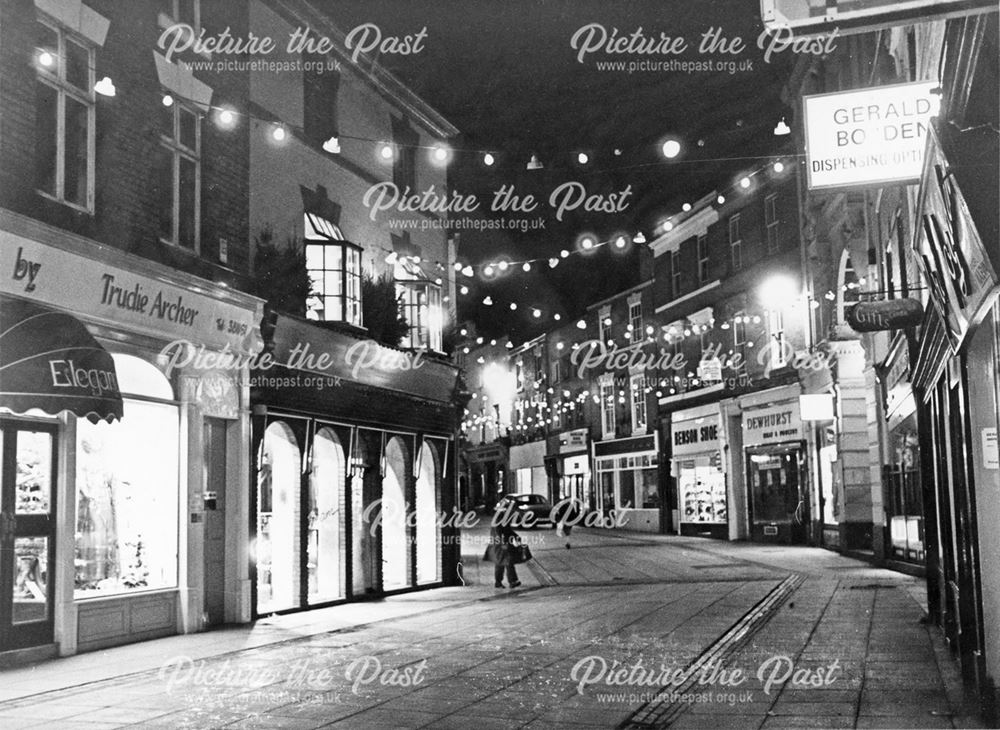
(859, 16)
(120, 297)
(882, 316)
(868, 136)
(696, 436)
(948, 246)
(772, 425)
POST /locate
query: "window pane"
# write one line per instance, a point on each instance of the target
(77, 66)
(167, 119)
(127, 501)
(314, 256)
(332, 283)
(188, 129)
(333, 308)
(75, 181)
(31, 566)
(47, 41)
(163, 182)
(187, 232)
(34, 472)
(46, 138)
(186, 12)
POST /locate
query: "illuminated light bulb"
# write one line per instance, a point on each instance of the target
(513, 306)
(671, 148)
(525, 266)
(668, 226)
(488, 301)
(332, 146)
(489, 159)
(488, 271)
(168, 100)
(559, 345)
(564, 253)
(620, 242)
(105, 87)
(503, 265)
(225, 118)
(385, 152)
(649, 330)
(278, 134)
(639, 238)
(465, 350)
(467, 271)
(581, 324)
(721, 199)
(46, 59)
(583, 158)
(618, 152)
(479, 340)
(493, 343)
(779, 166)
(464, 290)
(553, 263)
(587, 243)
(463, 332)
(440, 154)
(686, 207)
(607, 322)
(556, 317)
(458, 266)
(745, 183)
(536, 313)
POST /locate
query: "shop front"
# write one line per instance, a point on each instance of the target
(354, 462)
(571, 464)
(124, 416)
(697, 467)
(776, 468)
(955, 379)
(627, 481)
(903, 497)
(527, 469)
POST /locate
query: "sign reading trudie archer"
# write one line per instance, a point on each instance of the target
(868, 136)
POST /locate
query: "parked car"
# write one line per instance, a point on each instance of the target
(533, 510)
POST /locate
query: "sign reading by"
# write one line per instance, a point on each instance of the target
(772, 425)
(868, 136)
(117, 296)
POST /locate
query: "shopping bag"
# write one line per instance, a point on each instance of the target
(522, 554)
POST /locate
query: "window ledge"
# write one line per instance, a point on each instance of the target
(165, 21)
(107, 597)
(75, 206)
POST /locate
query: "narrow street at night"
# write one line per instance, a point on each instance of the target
(547, 653)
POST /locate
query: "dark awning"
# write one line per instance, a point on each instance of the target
(49, 361)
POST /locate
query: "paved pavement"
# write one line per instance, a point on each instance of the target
(677, 632)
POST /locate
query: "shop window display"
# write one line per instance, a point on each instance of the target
(702, 488)
(127, 501)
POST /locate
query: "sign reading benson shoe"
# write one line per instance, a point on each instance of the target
(868, 136)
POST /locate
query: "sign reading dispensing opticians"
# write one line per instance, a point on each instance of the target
(868, 136)
(117, 296)
(772, 425)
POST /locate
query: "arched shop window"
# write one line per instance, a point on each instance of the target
(127, 489)
(325, 549)
(395, 547)
(276, 549)
(428, 526)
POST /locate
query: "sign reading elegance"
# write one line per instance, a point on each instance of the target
(772, 425)
(868, 136)
(120, 297)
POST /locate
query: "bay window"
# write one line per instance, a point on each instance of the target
(637, 383)
(64, 117)
(420, 300)
(334, 267)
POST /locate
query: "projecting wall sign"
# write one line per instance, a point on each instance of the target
(868, 136)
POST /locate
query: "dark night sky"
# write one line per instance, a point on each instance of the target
(506, 75)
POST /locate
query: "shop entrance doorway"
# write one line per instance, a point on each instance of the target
(27, 533)
(779, 499)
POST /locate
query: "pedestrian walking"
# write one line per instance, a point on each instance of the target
(567, 513)
(503, 545)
